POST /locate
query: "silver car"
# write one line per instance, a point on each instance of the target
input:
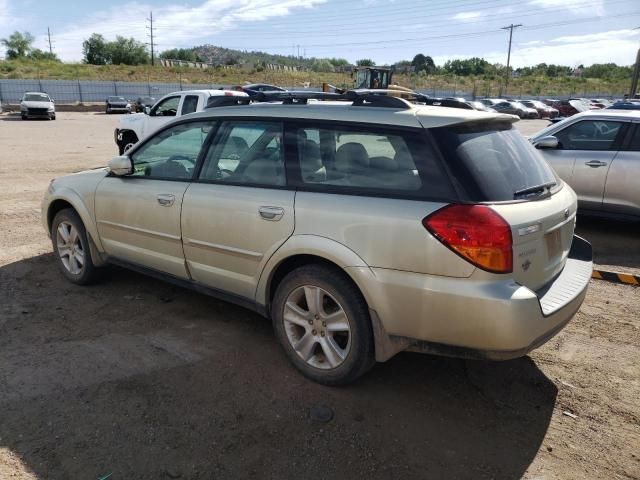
(361, 229)
(37, 105)
(598, 154)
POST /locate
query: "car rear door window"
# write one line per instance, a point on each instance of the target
(634, 144)
(172, 153)
(189, 104)
(590, 135)
(359, 160)
(246, 152)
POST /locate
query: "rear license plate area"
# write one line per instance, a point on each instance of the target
(554, 243)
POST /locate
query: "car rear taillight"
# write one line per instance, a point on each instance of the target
(476, 233)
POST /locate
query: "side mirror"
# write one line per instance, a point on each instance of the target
(147, 110)
(121, 165)
(547, 142)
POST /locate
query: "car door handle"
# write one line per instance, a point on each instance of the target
(596, 163)
(271, 213)
(166, 199)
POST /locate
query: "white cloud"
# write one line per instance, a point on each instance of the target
(617, 46)
(472, 16)
(575, 7)
(174, 25)
(466, 16)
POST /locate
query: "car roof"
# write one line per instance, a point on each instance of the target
(36, 93)
(212, 93)
(426, 116)
(606, 113)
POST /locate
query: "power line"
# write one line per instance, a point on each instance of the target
(510, 28)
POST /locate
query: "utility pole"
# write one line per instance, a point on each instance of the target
(636, 73)
(510, 28)
(49, 36)
(150, 20)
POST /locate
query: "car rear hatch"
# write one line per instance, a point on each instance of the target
(495, 166)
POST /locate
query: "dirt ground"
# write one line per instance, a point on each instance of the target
(143, 380)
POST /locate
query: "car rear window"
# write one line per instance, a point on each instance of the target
(492, 162)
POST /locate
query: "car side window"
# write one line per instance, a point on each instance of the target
(166, 108)
(248, 152)
(189, 104)
(589, 135)
(172, 153)
(353, 159)
(634, 145)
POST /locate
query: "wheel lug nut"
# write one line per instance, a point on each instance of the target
(310, 322)
(324, 324)
(315, 332)
(322, 333)
(317, 317)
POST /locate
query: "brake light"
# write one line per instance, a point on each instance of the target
(476, 233)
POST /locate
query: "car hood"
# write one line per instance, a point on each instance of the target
(32, 104)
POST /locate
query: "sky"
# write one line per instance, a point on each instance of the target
(567, 32)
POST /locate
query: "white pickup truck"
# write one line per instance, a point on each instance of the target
(133, 128)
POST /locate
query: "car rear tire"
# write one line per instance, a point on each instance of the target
(322, 321)
(71, 248)
(24, 117)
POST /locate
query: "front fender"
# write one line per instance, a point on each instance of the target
(72, 197)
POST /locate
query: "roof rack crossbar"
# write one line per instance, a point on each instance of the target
(374, 98)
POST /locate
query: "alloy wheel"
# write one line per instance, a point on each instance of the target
(317, 327)
(70, 248)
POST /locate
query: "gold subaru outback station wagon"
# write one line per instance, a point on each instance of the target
(361, 224)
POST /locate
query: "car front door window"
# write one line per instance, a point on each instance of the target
(167, 108)
(172, 153)
(590, 135)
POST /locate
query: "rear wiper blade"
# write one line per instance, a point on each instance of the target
(535, 188)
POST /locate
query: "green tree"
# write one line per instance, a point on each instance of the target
(95, 50)
(37, 54)
(127, 51)
(322, 65)
(338, 62)
(423, 63)
(365, 62)
(18, 44)
(186, 54)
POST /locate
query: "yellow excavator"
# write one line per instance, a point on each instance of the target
(372, 78)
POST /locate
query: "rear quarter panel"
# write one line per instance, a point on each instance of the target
(384, 232)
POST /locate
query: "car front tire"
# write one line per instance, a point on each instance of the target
(71, 248)
(322, 322)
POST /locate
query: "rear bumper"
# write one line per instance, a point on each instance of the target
(478, 319)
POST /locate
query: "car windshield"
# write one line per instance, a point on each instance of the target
(36, 97)
(493, 161)
(116, 99)
(518, 104)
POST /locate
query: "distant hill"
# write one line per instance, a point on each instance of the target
(227, 56)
